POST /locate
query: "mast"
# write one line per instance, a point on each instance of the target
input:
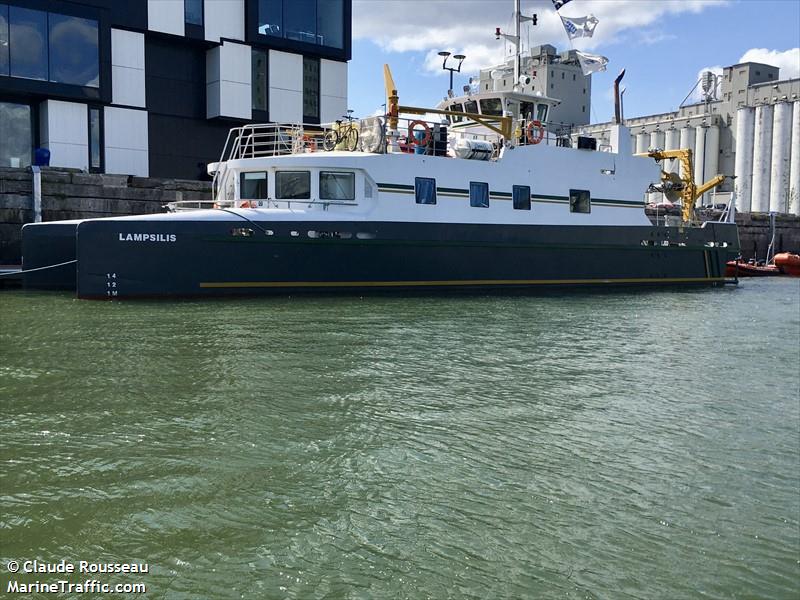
(516, 40)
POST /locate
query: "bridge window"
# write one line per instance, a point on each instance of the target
(479, 194)
(521, 195)
(253, 186)
(337, 186)
(580, 201)
(492, 106)
(293, 185)
(425, 190)
(470, 106)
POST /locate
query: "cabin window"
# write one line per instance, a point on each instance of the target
(470, 106)
(425, 190)
(293, 185)
(253, 186)
(457, 108)
(580, 201)
(337, 186)
(541, 112)
(521, 195)
(492, 106)
(479, 194)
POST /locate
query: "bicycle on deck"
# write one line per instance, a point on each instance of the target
(345, 134)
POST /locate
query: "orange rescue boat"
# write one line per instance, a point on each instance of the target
(788, 263)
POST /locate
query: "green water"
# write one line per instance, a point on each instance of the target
(624, 445)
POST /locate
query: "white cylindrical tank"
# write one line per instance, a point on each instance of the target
(657, 139)
(712, 161)
(671, 142)
(794, 170)
(743, 184)
(762, 155)
(779, 177)
(642, 140)
(700, 159)
(687, 143)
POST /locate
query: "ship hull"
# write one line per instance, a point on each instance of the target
(188, 258)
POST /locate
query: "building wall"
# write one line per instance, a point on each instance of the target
(63, 128)
(170, 87)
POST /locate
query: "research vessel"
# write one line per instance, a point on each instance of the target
(482, 196)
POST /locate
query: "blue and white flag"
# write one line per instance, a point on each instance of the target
(580, 26)
(591, 63)
(559, 3)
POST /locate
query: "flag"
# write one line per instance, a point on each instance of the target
(580, 26)
(591, 63)
(559, 3)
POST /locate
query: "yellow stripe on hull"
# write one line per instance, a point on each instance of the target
(451, 283)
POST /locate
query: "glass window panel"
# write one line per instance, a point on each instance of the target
(522, 197)
(425, 190)
(310, 88)
(259, 78)
(270, 17)
(492, 106)
(193, 11)
(330, 23)
(293, 185)
(470, 106)
(74, 55)
(300, 20)
(541, 112)
(253, 186)
(16, 140)
(94, 138)
(337, 186)
(3, 39)
(580, 201)
(27, 43)
(478, 194)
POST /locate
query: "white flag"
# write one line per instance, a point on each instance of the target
(591, 63)
(580, 26)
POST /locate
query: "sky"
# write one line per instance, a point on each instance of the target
(663, 45)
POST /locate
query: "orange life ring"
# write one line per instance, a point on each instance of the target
(310, 143)
(540, 135)
(412, 139)
(246, 204)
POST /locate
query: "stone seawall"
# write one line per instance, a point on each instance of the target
(72, 194)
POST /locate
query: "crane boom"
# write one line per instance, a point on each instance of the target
(688, 189)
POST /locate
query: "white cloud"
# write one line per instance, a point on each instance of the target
(468, 26)
(788, 60)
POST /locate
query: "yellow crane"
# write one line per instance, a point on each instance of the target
(684, 184)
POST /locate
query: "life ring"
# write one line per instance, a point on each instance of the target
(310, 143)
(246, 204)
(540, 132)
(412, 139)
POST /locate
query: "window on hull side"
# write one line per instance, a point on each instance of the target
(425, 190)
(337, 186)
(580, 201)
(253, 186)
(293, 185)
(478, 194)
(521, 196)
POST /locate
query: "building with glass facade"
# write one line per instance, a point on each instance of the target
(151, 87)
